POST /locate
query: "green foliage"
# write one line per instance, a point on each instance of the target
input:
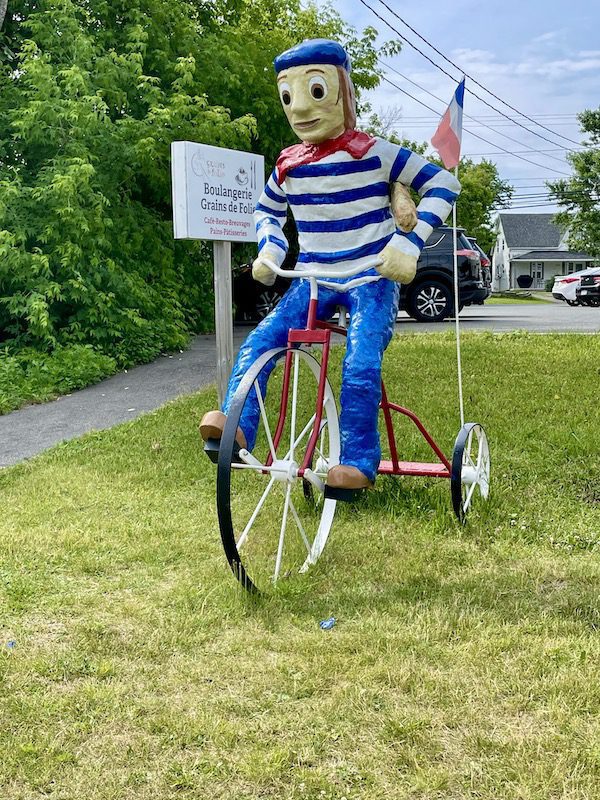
(579, 196)
(87, 254)
(34, 376)
(236, 61)
(482, 191)
(92, 95)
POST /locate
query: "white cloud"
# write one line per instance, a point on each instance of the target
(545, 37)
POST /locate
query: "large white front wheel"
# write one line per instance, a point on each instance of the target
(272, 527)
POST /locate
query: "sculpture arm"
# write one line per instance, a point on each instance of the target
(269, 219)
(438, 190)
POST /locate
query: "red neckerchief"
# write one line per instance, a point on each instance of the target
(354, 142)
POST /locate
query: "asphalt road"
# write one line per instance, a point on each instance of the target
(32, 429)
(540, 317)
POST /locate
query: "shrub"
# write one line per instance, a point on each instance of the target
(33, 376)
(86, 241)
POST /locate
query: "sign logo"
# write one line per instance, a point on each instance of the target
(207, 167)
(241, 177)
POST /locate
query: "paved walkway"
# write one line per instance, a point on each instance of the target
(123, 397)
(28, 431)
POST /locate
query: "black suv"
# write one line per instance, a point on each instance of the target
(253, 300)
(429, 298)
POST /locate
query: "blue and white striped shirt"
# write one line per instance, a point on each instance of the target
(341, 206)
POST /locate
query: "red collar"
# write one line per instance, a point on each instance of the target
(356, 143)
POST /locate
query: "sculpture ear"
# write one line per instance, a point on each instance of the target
(348, 99)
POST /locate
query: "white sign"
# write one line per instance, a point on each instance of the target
(215, 192)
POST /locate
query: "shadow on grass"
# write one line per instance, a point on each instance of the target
(415, 559)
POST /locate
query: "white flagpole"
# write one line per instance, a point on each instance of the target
(457, 309)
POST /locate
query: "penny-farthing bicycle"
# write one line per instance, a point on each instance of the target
(275, 510)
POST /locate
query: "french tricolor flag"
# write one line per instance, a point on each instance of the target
(447, 138)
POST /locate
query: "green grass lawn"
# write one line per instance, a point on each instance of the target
(507, 300)
(464, 662)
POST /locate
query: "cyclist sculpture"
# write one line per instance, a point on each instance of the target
(346, 191)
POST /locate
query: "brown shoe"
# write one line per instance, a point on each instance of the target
(213, 424)
(345, 477)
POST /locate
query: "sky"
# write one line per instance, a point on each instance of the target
(541, 56)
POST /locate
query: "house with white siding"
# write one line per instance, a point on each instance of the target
(532, 245)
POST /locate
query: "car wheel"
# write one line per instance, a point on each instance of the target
(430, 301)
(266, 302)
(573, 302)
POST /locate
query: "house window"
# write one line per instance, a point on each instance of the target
(578, 267)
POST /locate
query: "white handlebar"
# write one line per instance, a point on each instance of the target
(325, 275)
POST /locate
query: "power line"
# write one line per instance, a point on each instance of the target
(558, 150)
(540, 204)
(476, 135)
(497, 123)
(474, 80)
(516, 152)
(422, 88)
(487, 117)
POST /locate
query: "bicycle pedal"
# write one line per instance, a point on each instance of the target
(345, 495)
(212, 446)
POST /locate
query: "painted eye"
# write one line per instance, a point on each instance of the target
(285, 93)
(318, 88)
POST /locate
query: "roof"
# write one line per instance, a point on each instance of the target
(553, 255)
(530, 230)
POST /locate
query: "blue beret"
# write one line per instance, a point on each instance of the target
(313, 51)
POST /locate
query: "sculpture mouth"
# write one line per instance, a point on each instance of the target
(305, 126)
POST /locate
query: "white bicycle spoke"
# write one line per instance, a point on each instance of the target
(469, 497)
(300, 526)
(258, 469)
(286, 506)
(468, 461)
(305, 430)
(263, 414)
(255, 513)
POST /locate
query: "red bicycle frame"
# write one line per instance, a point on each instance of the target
(319, 332)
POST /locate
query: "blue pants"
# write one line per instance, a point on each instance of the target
(373, 308)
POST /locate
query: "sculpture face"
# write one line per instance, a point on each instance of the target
(312, 99)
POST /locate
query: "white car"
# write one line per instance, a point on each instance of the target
(565, 286)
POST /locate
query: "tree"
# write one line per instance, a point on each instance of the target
(482, 192)
(85, 233)
(579, 196)
(235, 62)
(92, 93)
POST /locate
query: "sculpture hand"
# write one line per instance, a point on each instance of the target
(260, 271)
(403, 208)
(396, 265)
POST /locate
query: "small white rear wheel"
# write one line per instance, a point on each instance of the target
(470, 475)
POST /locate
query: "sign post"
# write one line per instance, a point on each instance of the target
(215, 191)
(223, 315)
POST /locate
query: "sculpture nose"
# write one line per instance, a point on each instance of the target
(301, 106)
